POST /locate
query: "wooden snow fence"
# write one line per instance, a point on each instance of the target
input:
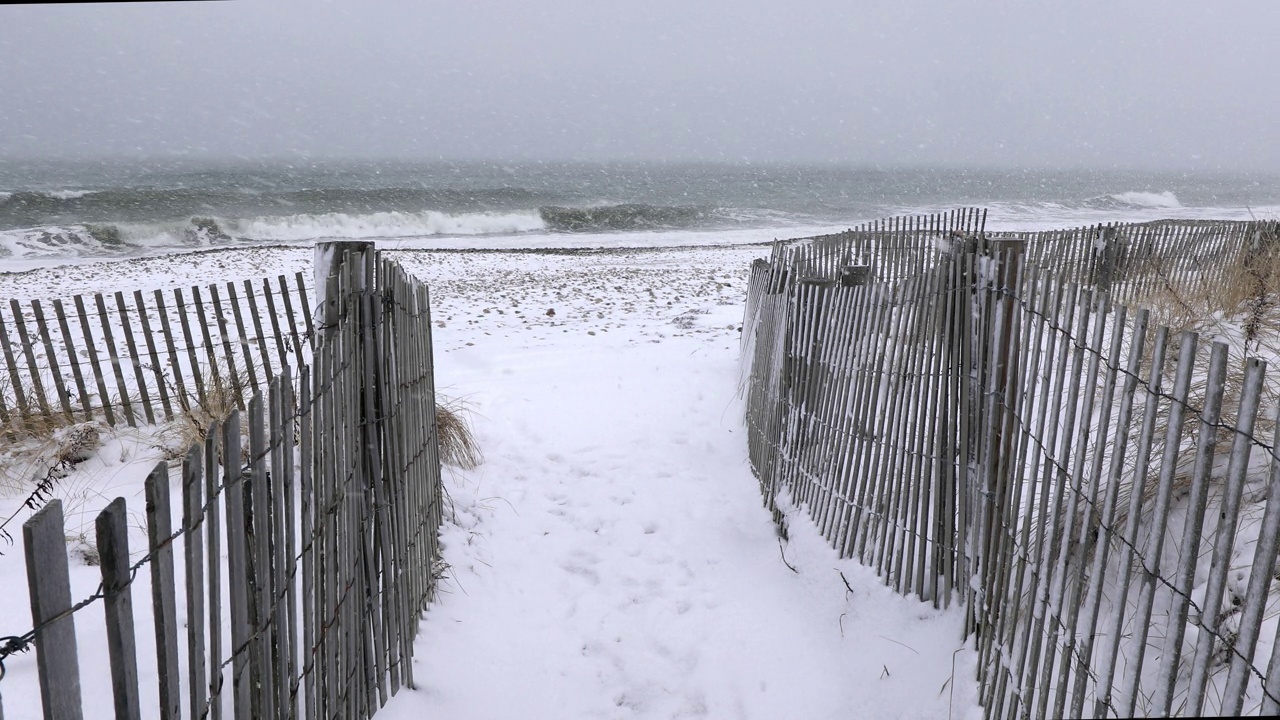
(144, 357)
(975, 417)
(303, 557)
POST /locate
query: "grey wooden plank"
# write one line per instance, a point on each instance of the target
(290, 567)
(157, 370)
(175, 366)
(279, 579)
(270, 299)
(216, 384)
(233, 373)
(326, 516)
(114, 356)
(180, 307)
(264, 356)
(29, 352)
(5, 418)
(307, 523)
(159, 542)
(113, 552)
(57, 664)
(139, 377)
(213, 544)
(193, 547)
(293, 325)
(265, 630)
(237, 560)
(15, 379)
(82, 394)
(334, 563)
(305, 306)
(103, 396)
(51, 356)
(234, 301)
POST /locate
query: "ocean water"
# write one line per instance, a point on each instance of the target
(56, 212)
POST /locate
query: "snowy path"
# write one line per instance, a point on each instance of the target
(611, 557)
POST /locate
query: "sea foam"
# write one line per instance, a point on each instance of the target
(1140, 199)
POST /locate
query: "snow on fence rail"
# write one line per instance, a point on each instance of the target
(1103, 497)
(102, 356)
(330, 546)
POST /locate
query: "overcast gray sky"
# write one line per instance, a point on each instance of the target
(1141, 83)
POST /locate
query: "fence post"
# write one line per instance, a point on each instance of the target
(329, 257)
(57, 663)
(997, 267)
(1107, 251)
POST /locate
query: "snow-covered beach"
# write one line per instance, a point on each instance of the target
(610, 557)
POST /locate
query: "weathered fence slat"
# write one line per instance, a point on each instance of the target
(269, 298)
(305, 305)
(233, 373)
(289, 568)
(216, 384)
(91, 347)
(282, 614)
(180, 386)
(306, 524)
(13, 376)
(113, 553)
(213, 543)
(263, 356)
(233, 489)
(51, 357)
(114, 356)
(193, 546)
(57, 662)
(29, 352)
(265, 633)
(138, 376)
(157, 370)
(234, 302)
(82, 395)
(180, 307)
(293, 325)
(160, 539)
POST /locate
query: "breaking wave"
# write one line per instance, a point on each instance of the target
(388, 225)
(1135, 199)
(37, 208)
(115, 239)
(615, 218)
